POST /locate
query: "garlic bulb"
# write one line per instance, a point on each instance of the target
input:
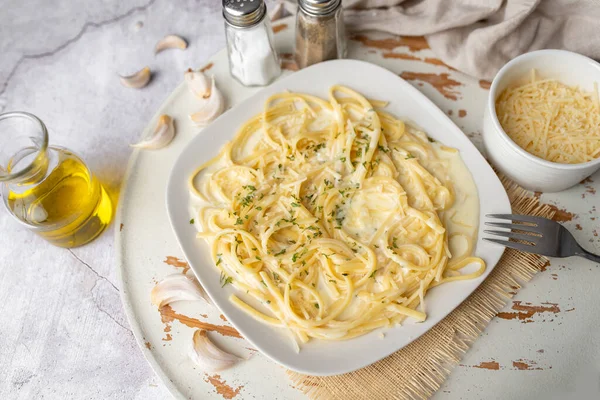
(137, 80)
(162, 136)
(210, 108)
(209, 356)
(177, 287)
(198, 83)
(170, 42)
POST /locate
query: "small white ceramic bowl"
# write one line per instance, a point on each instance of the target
(527, 170)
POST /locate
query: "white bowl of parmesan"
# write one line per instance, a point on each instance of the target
(542, 121)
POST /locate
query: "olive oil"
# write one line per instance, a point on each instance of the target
(68, 206)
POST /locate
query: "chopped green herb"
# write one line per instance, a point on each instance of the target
(295, 205)
(432, 140)
(373, 274)
(263, 282)
(409, 156)
(224, 280)
(258, 258)
(280, 252)
(345, 274)
(317, 306)
(268, 301)
(239, 221)
(192, 221)
(331, 280)
(343, 159)
(259, 208)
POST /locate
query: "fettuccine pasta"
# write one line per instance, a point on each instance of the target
(329, 217)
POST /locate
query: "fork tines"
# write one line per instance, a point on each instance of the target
(524, 239)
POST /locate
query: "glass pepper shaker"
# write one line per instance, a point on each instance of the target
(252, 57)
(47, 188)
(320, 33)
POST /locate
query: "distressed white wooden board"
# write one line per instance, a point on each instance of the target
(567, 338)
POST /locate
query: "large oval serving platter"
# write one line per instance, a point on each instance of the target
(333, 357)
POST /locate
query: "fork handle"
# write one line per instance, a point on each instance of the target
(586, 254)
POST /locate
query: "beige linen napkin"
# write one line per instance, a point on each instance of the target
(479, 36)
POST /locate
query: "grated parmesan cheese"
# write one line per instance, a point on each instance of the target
(551, 120)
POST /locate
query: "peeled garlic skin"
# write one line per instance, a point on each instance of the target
(162, 136)
(137, 80)
(211, 108)
(208, 356)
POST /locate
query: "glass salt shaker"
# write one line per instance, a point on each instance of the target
(320, 34)
(252, 57)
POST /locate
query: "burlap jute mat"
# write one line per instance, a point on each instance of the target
(418, 370)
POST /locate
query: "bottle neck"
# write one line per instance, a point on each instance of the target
(28, 167)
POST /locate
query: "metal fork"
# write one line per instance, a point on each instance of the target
(537, 235)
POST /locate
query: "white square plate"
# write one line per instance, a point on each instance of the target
(320, 357)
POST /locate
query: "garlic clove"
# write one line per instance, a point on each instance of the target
(137, 80)
(170, 42)
(177, 287)
(198, 83)
(190, 275)
(211, 107)
(162, 136)
(208, 356)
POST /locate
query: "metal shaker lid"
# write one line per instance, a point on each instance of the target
(244, 13)
(319, 7)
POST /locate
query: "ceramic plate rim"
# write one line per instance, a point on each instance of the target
(177, 186)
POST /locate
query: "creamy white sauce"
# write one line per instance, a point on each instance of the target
(465, 210)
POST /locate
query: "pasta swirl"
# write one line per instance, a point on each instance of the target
(327, 216)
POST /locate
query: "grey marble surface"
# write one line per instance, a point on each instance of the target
(62, 327)
(63, 333)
